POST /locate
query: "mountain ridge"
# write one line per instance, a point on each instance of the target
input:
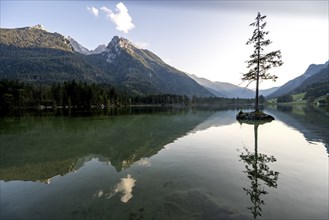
(224, 89)
(83, 50)
(35, 55)
(293, 84)
(127, 63)
(34, 37)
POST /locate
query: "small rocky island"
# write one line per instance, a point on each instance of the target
(254, 116)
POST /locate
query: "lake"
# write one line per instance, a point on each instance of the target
(165, 164)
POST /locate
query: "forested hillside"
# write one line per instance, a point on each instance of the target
(34, 55)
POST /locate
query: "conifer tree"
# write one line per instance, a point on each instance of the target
(260, 61)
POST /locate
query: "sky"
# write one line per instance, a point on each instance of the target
(204, 38)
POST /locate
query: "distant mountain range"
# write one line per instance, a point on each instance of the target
(228, 90)
(81, 49)
(34, 55)
(223, 89)
(266, 92)
(315, 75)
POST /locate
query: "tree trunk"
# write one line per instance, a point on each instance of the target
(258, 58)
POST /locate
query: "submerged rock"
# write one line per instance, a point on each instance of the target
(253, 116)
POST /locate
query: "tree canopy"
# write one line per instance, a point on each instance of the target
(260, 62)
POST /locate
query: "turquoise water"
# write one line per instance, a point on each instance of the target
(183, 164)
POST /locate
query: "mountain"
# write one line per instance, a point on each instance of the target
(143, 72)
(34, 55)
(34, 37)
(78, 47)
(293, 84)
(82, 50)
(266, 92)
(222, 89)
(318, 79)
(100, 49)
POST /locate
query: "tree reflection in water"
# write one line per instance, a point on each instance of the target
(259, 173)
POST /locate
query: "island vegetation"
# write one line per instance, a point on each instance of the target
(259, 65)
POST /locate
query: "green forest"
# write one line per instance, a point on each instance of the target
(15, 94)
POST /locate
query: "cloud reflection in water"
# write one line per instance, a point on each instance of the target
(125, 187)
(143, 162)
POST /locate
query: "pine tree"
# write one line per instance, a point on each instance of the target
(260, 62)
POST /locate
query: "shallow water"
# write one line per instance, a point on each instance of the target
(184, 164)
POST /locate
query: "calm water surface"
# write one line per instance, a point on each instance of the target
(184, 164)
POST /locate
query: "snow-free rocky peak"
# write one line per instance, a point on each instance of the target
(100, 49)
(121, 43)
(34, 37)
(116, 46)
(313, 69)
(78, 47)
(81, 49)
(38, 27)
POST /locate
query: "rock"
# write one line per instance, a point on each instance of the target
(253, 116)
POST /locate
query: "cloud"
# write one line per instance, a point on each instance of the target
(124, 187)
(120, 18)
(107, 11)
(93, 11)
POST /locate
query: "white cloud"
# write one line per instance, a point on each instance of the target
(120, 18)
(93, 11)
(125, 187)
(107, 11)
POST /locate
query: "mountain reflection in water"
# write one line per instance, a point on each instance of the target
(179, 164)
(312, 122)
(37, 149)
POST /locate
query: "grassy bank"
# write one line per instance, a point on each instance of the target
(298, 99)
